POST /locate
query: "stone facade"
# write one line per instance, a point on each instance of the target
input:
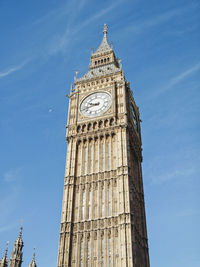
(103, 215)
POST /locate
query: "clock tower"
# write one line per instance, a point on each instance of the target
(103, 215)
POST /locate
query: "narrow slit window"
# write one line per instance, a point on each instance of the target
(108, 155)
(103, 201)
(81, 253)
(109, 201)
(102, 253)
(85, 160)
(83, 206)
(91, 159)
(88, 253)
(109, 252)
(89, 204)
(102, 151)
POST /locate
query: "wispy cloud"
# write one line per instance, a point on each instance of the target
(13, 69)
(175, 174)
(154, 21)
(60, 43)
(179, 78)
(12, 175)
(7, 227)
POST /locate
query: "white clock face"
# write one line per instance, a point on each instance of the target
(95, 104)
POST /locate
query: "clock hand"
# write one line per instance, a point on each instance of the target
(94, 104)
(91, 105)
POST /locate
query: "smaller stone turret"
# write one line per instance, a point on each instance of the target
(16, 256)
(4, 260)
(33, 263)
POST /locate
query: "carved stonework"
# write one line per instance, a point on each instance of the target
(103, 201)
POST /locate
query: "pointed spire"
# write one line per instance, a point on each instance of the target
(33, 263)
(16, 256)
(20, 232)
(104, 46)
(4, 260)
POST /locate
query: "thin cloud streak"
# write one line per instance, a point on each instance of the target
(138, 27)
(64, 40)
(184, 75)
(176, 174)
(13, 69)
(12, 175)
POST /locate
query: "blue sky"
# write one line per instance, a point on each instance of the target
(42, 45)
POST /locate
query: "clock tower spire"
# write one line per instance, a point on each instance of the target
(103, 215)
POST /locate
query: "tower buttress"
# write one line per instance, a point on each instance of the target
(16, 256)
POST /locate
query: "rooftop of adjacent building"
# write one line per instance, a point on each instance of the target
(16, 254)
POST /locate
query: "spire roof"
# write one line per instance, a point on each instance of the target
(19, 239)
(4, 260)
(33, 263)
(16, 256)
(104, 46)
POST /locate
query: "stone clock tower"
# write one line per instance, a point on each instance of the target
(103, 215)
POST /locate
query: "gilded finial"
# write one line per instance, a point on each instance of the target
(105, 29)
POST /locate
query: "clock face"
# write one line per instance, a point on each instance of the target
(95, 104)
